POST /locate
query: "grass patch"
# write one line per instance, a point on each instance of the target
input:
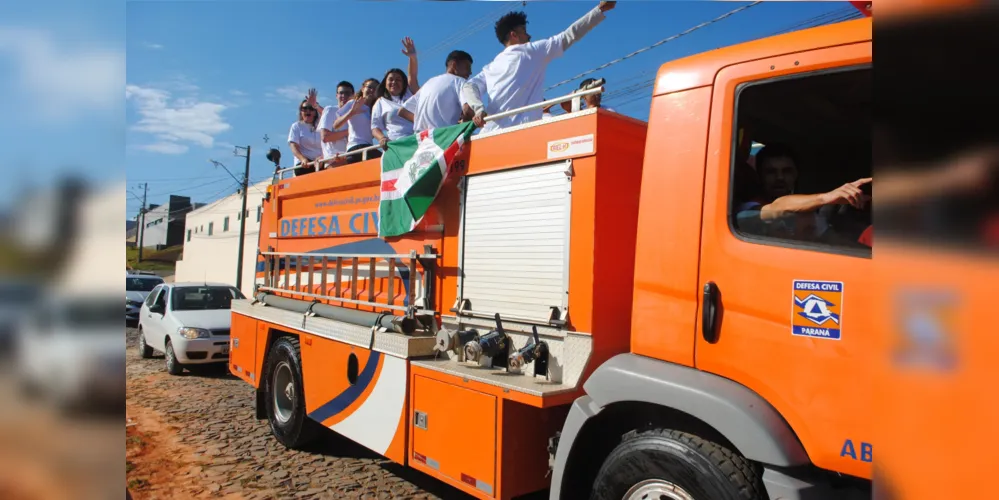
(138, 483)
(134, 440)
(154, 260)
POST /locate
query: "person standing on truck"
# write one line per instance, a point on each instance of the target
(590, 101)
(516, 76)
(394, 89)
(440, 103)
(335, 140)
(357, 116)
(303, 137)
(386, 124)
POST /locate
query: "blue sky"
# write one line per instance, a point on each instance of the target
(62, 73)
(203, 76)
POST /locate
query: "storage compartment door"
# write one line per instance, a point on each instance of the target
(454, 435)
(515, 242)
(243, 348)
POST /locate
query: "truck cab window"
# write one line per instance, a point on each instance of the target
(801, 167)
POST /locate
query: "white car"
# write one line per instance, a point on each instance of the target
(189, 322)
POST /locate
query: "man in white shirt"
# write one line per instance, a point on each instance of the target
(335, 140)
(439, 102)
(516, 76)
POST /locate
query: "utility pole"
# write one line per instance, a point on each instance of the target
(242, 217)
(142, 214)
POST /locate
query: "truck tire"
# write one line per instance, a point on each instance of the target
(173, 366)
(284, 395)
(674, 465)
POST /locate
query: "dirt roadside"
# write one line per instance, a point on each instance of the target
(195, 436)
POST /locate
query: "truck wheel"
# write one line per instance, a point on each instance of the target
(173, 366)
(284, 395)
(145, 351)
(669, 464)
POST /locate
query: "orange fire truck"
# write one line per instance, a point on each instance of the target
(585, 308)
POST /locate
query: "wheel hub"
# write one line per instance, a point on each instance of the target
(284, 392)
(657, 489)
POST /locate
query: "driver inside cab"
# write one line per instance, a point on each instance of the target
(778, 211)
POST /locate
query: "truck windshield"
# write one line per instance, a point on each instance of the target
(141, 284)
(188, 298)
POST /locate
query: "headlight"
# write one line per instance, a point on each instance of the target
(133, 303)
(194, 333)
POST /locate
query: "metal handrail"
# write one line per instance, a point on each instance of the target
(577, 95)
(544, 104)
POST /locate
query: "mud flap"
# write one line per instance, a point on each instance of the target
(260, 410)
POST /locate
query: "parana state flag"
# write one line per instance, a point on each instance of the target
(413, 170)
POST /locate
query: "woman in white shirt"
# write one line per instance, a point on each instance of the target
(356, 114)
(303, 138)
(393, 91)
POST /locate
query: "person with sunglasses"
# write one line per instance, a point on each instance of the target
(335, 139)
(304, 138)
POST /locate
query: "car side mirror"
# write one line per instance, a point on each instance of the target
(156, 308)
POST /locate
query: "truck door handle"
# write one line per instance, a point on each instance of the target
(709, 312)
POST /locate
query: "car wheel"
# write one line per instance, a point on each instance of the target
(145, 351)
(671, 464)
(173, 366)
(285, 396)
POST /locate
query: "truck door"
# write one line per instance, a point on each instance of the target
(787, 304)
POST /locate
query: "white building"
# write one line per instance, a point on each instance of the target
(211, 240)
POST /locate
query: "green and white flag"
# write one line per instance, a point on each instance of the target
(413, 170)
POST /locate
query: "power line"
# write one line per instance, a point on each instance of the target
(654, 45)
(173, 179)
(474, 27)
(180, 190)
(220, 164)
(831, 17)
(821, 20)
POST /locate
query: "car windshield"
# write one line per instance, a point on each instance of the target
(188, 298)
(141, 284)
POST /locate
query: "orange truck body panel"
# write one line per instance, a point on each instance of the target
(649, 226)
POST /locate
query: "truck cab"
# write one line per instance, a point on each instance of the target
(747, 338)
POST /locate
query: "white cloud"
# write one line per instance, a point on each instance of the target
(152, 46)
(238, 93)
(296, 92)
(167, 148)
(63, 78)
(175, 123)
(292, 92)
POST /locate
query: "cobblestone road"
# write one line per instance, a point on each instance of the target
(195, 436)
